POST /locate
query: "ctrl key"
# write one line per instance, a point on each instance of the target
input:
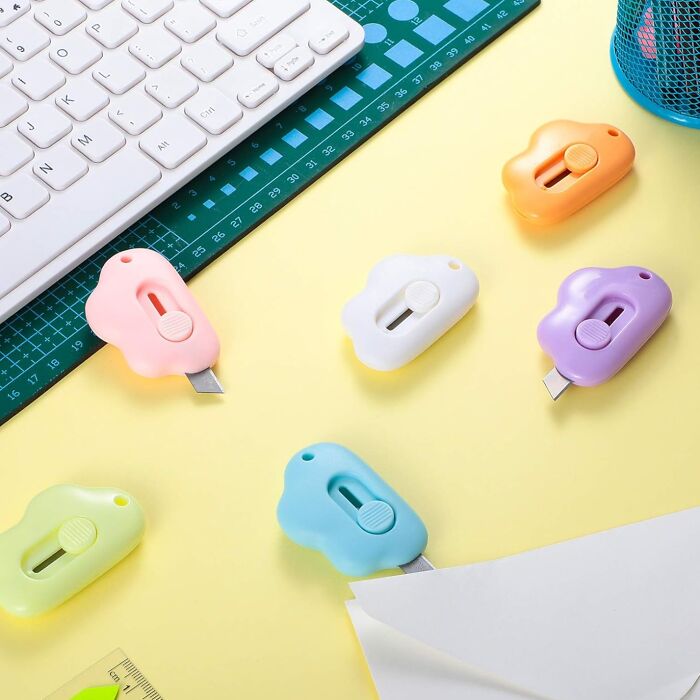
(20, 196)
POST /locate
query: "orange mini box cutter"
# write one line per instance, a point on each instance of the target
(567, 165)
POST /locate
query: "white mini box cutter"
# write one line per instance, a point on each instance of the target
(409, 302)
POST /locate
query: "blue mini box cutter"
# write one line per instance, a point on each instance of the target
(335, 503)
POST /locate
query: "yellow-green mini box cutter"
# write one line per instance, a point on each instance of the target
(69, 536)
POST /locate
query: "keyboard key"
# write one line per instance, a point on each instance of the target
(257, 22)
(256, 93)
(82, 99)
(212, 111)
(135, 113)
(112, 27)
(85, 205)
(60, 16)
(154, 48)
(24, 40)
(171, 86)
(21, 195)
(4, 225)
(294, 63)
(10, 10)
(97, 140)
(271, 52)
(328, 39)
(118, 73)
(14, 153)
(189, 22)
(224, 8)
(12, 105)
(206, 61)
(172, 141)
(5, 65)
(147, 11)
(37, 79)
(60, 167)
(75, 53)
(43, 125)
(95, 4)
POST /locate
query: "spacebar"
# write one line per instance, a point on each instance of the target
(71, 215)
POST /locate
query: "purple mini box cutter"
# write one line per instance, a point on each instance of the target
(602, 318)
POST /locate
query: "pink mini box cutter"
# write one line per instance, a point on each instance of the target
(603, 317)
(142, 306)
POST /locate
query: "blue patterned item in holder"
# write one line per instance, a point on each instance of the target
(656, 55)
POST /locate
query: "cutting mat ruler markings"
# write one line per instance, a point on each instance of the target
(115, 669)
(411, 46)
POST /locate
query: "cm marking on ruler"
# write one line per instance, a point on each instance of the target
(114, 669)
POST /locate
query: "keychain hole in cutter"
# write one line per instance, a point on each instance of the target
(121, 501)
(645, 275)
(125, 258)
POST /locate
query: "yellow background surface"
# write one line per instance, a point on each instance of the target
(216, 603)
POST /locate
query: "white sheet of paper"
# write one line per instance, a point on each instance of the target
(611, 616)
(405, 669)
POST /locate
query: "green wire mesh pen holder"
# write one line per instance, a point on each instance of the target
(656, 55)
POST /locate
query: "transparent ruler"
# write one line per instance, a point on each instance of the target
(115, 669)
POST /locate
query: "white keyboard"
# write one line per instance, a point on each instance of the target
(109, 106)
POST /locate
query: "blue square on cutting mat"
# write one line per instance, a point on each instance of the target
(319, 119)
(466, 9)
(271, 156)
(294, 138)
(249, 173)
(403, 53)
(434, 30)
(228, 189)
(374, 76)
(346, 98)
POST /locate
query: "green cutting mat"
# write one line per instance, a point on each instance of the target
(411, 46)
